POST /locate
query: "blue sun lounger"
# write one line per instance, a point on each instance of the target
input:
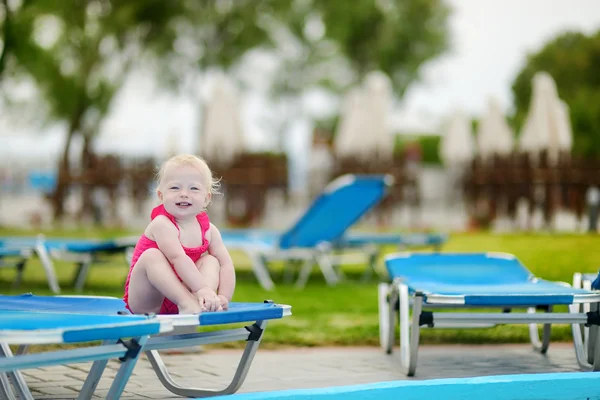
(555, 386)
(256, 314)
(422, 281)
(83, 252)
(122, 337)
(321, 230)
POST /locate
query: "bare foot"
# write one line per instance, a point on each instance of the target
(192, 307)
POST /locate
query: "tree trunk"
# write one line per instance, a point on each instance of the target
(88, 182)
(8, 42)
(64, 173)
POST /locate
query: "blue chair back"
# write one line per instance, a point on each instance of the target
(343, 202)
(476, 269)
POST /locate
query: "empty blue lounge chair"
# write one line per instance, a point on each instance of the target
(420, 281)
(256, 313)
(83, 252)
(322, 229)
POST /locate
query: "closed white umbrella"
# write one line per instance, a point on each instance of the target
(350, 131)
(564, 130)
(457, 145)
(364, 130)
(547, 126)
(494, 136)
(378, 140)
(222, 134)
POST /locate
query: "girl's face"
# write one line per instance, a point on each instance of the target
(183, 191)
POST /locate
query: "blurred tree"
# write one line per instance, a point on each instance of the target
(329, 45)
(394, 36)
(79, 52)
(573, 60)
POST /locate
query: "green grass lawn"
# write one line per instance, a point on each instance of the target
(347, 314)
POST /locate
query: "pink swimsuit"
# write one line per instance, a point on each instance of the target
(143, 244)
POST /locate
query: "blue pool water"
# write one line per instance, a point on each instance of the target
(555, 386)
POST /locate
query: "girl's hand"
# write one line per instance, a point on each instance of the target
(224, 302)
(208, 299)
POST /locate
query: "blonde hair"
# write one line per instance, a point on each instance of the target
(210, 183)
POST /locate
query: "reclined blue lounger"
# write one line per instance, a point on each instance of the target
(322, 229)
(83, 252)
(424, 281)
(556, 386)
(122, 337)
(256, 313)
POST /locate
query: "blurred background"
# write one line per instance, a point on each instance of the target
(486, 112)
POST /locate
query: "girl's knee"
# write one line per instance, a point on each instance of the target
(210, 260)
(152, 255)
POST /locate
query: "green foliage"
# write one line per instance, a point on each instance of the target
(72, 71)
(573, 60)
(428, 143)
(395, 36)
(333, 46)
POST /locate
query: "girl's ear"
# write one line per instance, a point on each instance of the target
(208, 198)
(160, 195)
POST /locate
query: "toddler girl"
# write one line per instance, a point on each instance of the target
(180, 264)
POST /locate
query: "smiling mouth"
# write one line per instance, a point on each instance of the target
(183, 204)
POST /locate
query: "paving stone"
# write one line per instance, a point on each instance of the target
(306, 368)
(61, 390)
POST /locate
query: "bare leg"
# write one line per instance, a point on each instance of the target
(153, 279)
(210, 268)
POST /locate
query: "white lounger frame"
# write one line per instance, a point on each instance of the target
(581, 332)
(395, 296)
(12, 364)
(252, 334)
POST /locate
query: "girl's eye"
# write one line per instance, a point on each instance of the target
(195, 188)
(173, 188)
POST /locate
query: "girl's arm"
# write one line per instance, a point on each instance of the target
(227, 272)
(166, 236)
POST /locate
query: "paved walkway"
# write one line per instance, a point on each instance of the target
(305, 368)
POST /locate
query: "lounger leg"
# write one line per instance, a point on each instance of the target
(288, 270)
(6, 392)
(578, 342)
(122, 377)
(592, 339)
(252, 344)
(83, 268)
(305, 271)
(18, 381)
(409, 329)
(541, 346)
(42, 253)
(326, 266)
(596, 349)
(387, 320)
(260, 270)
(372, 253)
(20, 266)
(93, 378)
